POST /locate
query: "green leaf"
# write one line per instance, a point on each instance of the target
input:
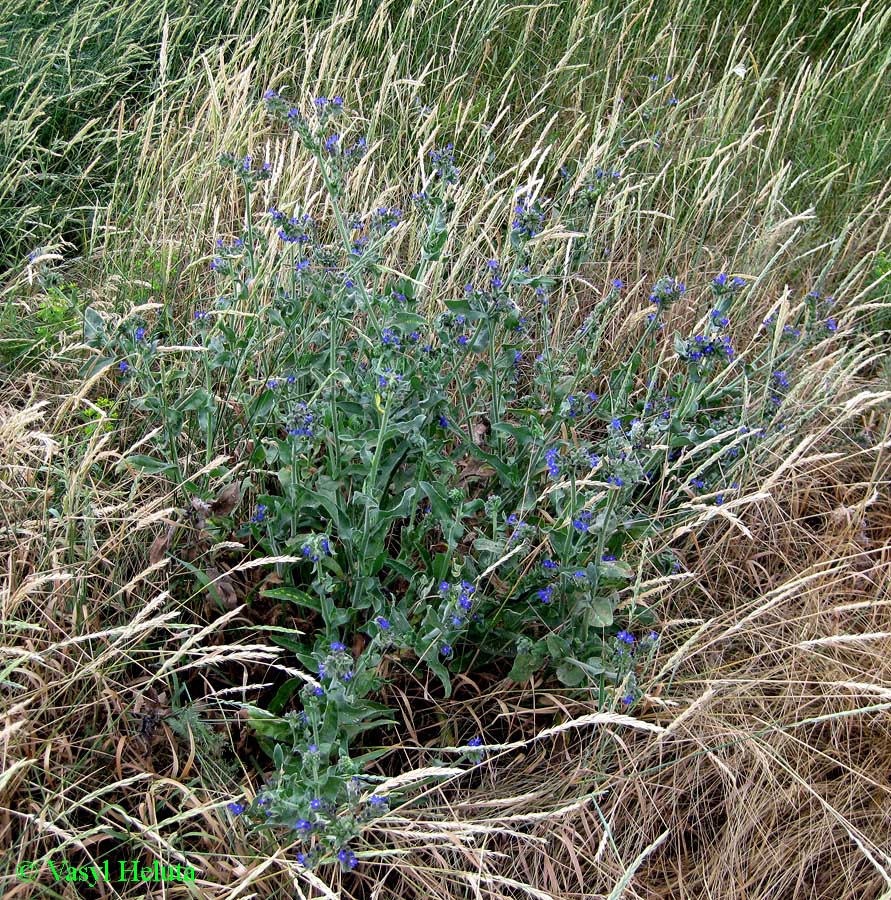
(557, 646)
(148, 464)
(570, 675)
(520, 433)
(462, 307)
(94, 326)
(403, 508)
(524, 667)
(481, 340)
(294, 595)
(441, 671)
(600, 612)
(485, 545)
(438, 502)
(283, 694)
(94, 366)
(404, 317)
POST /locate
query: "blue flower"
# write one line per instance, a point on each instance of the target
(383, 624)
(260, 514)
(475, 742)
(443, 422)
(618, 284)
(628, 699)
(462, 340)
(140, 334)
(235, 808)
(551, 459)
(831, 325)
(303, 825)
(546, 593)
(626, 637)
(338, 647)
(445, 650)
(616, 424)
(124, 365)
(493, 264)
(443, 586)
(550, 564)
(347, 858)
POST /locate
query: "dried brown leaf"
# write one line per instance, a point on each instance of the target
(226, 502)
(160, 546)
(222, 588)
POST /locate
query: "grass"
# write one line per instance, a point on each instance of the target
(755, 764)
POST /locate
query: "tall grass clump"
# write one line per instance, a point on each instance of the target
(444, 452)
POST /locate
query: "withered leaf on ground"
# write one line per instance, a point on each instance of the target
(160, 546)
(473, 468)
(222, 588)
(199, 512)
(479, 431)
(227, 500)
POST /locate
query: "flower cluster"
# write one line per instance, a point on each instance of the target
(444, 168)
(386, 218)
(587, 196)
(528, 219)
(244, 168)
(299, 229)
(665, 291)
(302, 421)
